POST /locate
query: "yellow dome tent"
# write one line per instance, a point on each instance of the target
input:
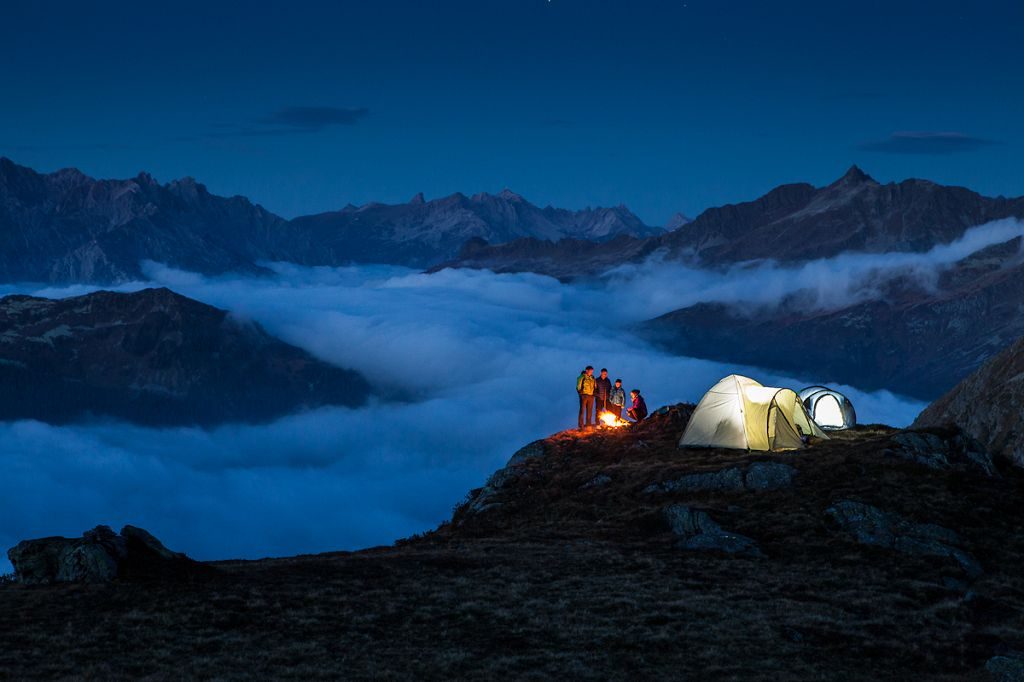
(740, 413)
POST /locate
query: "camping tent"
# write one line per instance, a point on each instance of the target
(738, 412)
(831, 409)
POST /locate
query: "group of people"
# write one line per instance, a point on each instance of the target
(598, 394)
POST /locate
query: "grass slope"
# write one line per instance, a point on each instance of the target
(559, 579)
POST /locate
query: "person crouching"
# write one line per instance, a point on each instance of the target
(638, 410)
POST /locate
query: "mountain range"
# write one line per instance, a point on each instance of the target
(154, 357)
(791, 223)
(919, 341)
(68, 227)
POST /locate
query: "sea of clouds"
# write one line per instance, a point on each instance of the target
(469, 365)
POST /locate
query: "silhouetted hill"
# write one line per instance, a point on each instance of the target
(881, 554)
(154, 357)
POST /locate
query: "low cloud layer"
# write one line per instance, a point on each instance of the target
(488, 360)
(657, 286)
(927, 143)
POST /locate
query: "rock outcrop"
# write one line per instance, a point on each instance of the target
(957, 451)
(987, 405)
(100, 555)
(870, 525)
(698, 531)
(756, 476)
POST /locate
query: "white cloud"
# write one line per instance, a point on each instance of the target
(485, 363)
(657, 286)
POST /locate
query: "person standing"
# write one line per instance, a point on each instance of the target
(585, 389)
(602, 391)
(638, 410)
(617, 399)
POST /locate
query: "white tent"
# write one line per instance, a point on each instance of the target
(740, 413)
(832, 410)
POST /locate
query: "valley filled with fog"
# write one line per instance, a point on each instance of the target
(468, 366)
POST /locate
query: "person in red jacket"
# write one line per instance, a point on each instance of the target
(638, 410)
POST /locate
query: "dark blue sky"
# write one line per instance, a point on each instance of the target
(663, 106)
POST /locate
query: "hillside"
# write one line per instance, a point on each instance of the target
(911, 339)
(154, 357)
(608, 555)
(68, 227)
(987, 404)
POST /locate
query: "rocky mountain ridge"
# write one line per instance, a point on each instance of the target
(68, 227)
(154, 357)
(791, 223)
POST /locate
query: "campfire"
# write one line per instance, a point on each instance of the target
(610, 420)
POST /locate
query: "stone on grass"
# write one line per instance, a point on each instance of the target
(869, 525)
(100, 555)
(698, 531)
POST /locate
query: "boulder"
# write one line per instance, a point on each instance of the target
(725, 479)
(756, 477)
(534, 450)
(935, 452)
(698, 531)
(485, 497)
(870, 525)
(768, 476)
(100, 555)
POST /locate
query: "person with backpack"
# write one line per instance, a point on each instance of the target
(602, 391)
(638, 410)
(585, 385)
(617, 399)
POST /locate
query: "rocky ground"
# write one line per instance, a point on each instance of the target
(612, 554)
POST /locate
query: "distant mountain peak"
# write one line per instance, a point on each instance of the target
(509, 195)
(418, 200)
(144, 178)
(855, 176)
(676, 221)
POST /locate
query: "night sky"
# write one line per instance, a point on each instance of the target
(662, 106)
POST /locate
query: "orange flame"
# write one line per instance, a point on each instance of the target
(609, 419)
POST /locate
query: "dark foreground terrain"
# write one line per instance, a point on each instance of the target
(878, 555)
